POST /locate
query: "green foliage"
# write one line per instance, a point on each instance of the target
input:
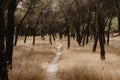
(114, 25)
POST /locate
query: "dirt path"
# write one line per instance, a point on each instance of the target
(53, 68)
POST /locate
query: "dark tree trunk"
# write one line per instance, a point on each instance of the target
(95, 42)
(100, 24)
(78, 34)
(101, 41)
(10, 31)
(84, 37)
(26, 34)
(119, 21)
(60, 35)
(77, 27)
(3, 63)
(50, 33)
(50, 38)
(101, 35)
(93, 29)
(104, 41)
(34, 32)
(88, 26)
(68, 34)
(27, 29)
(108, 32)
(87, 35)
(34, 35)
(73, 35)
(53, 35)
(25, 39)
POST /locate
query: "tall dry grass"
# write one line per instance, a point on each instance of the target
(77, 63)
(80, 63)
(28, 60)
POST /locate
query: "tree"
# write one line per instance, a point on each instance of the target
(3, 65)
(100, 28)
(65, 7)
(10, 31)
(20, 23)
(117, 3)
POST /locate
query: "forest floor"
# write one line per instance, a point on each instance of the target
(55, 62)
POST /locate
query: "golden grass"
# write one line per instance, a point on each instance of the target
(28, 60)
(80, 63)
(77, 63)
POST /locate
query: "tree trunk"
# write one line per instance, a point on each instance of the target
(68, 34)
(34, 32)
(50, 33)
(53, 35)
(34, 35)
(108, 33)
(50, 38)
(26, 34)
(10, 31)
(25, 39)
(95, 42)
(87, 34)
(101, 35)
(119, 21)
(3, 65)
(101, 41)
(60, 35)
(78, 34)
(84, 37)
(88, 26)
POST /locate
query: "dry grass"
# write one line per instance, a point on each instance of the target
(82, 64)
(28, 60)
(79, 73)
(77, 63)
(114, 46)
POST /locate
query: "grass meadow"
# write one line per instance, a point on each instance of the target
(77, 63)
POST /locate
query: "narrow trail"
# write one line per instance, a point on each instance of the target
(53, 68)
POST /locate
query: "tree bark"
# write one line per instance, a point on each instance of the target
(101, 41)
(50, 32)
(95, 42)
(78, 34)
(34, 32)
(26, 33)
(10, 31)
(119, 22)
(101, 35)
(3, 63)
(108, 33)
(68, 33)
(53, 35)
(88, 26)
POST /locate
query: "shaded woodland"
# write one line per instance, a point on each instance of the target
(81, 20)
